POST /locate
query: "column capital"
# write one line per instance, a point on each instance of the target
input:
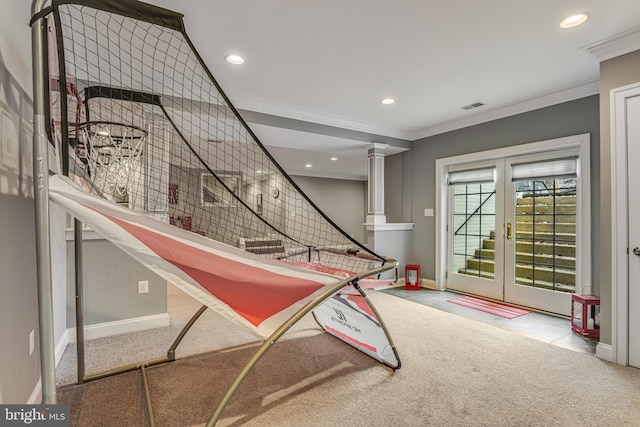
(377, 148)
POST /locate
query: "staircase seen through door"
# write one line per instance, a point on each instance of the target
(545, 235)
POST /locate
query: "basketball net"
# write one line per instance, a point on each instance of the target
(113, 155)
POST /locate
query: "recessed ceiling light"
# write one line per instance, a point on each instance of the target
(258, 171)
(234, 59)
(308, 165)
(387, 101)
(575, 20)
(334, 159)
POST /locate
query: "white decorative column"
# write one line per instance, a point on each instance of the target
(390, 240)
(375, 189)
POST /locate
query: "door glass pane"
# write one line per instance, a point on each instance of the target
(545, 234)
(474, 224)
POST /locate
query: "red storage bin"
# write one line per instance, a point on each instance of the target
(412, 277)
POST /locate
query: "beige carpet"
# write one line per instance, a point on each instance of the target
(455, 372)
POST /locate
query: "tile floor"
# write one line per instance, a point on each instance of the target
(551, 329)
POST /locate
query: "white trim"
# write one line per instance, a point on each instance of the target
(619, 225)
(604, 352)
(36, 394)
(424, 283)
(569, 94)
(61, 346)
(428, 284)
(582, 142)
(101, 330)
(566, 95)
(620, 44)
(329, 175)
(313, 117)
(390, 226)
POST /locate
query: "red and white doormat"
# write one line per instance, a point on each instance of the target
(490, 307)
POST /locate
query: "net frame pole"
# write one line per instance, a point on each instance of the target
(79, 298)
(41, 202)
(357, 286)
(275, 336)
(170, 357)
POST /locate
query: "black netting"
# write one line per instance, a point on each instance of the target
(147, 127)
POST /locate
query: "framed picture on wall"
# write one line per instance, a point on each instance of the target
(259, 204)
(219, 191)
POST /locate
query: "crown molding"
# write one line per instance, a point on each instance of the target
(307, 116)
(570, 94)
(346, 177)
(611, 47)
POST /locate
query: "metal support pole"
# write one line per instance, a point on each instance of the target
(171, 353)
(147, 394)
(356, 285)
(79, 274)
(275, 336)
(41, 201)
(170, 357)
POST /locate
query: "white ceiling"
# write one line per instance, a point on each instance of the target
(330, 62)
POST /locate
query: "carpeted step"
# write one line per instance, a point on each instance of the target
(563, 261)
(562, 287)
(546, 209)
(526, 271)
(564, 249)
(547, 218)
(538, 227)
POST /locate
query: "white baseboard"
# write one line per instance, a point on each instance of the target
(428, 284)
(604, 352)
(36, 394)
(61, 346)
(106, 329)
(424, 283)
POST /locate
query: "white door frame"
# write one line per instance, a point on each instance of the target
(618, 351)
(582, 142)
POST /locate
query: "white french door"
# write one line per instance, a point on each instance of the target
(633, 177)
(475, 230)
(512, 229)
(542, 213)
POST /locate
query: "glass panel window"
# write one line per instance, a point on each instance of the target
(545, 233)
(474, 224)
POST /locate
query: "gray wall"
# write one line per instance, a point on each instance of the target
(616, 72)
(111, 285)
(19, 371)
(350, 213)
(570, 118)
(398, 179)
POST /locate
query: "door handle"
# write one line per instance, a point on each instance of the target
(636, 251)
(509, 235)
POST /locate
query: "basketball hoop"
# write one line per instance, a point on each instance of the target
(113, 154)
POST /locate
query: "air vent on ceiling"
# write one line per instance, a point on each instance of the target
(472, 106)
